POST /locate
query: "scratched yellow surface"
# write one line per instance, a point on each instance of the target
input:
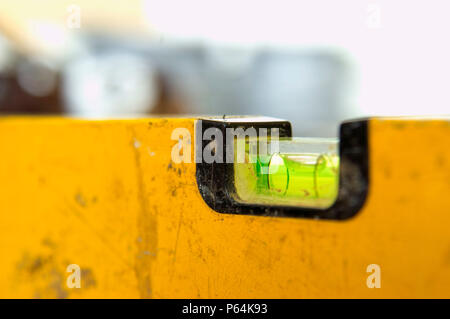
(105, 195)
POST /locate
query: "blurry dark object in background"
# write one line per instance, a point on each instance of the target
(167, 102)
(113, 76)
(33, 89)
(27, 85)
(311, 88)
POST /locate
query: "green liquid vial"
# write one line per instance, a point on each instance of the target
(303, 173)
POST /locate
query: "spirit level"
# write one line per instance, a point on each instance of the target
(302, 172)
(107, 196)
(281, 175)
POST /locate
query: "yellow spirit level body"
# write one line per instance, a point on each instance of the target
(106, 195)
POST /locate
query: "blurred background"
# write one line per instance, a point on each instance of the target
(314, 63)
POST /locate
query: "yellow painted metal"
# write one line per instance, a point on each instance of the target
(106, 196)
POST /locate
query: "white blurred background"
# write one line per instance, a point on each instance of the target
(314, 63)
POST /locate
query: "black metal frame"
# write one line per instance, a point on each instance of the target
(215, 179)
